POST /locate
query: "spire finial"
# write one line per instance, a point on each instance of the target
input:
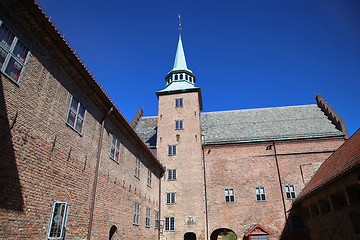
(179, 25)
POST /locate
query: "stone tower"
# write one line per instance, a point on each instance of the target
(179, 149)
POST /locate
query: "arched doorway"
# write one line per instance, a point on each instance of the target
(189, 236)
(223, 234)
(112, 231)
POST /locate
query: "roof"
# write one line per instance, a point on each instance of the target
(147, 130)
(277, 123)
(180, 62)
(346, 158)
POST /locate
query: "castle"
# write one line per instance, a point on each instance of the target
(72, 167)
(233, 171)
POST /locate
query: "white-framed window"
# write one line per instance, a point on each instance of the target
(149, 178)
(179, 124)
(136, 213)
(171, 150)
(229, 195)
(147, 217)
(13, 54)
(115, 149)
(58, 219)
(171, 174)
(169, 223)
(76, 115)
(157, 222)
(260, 194)
(179, 102)
(137, 168)
(290, 192)
(170, 197)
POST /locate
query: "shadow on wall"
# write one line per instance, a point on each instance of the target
(10, 190)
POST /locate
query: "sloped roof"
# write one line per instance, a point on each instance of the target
(346, 158)
(305, 121)
(147, 130)
(266, 124)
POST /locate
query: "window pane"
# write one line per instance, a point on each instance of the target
(20, 51)
(74, 104)
(113, 141)
(112, 152)
(82, 111)
(79, 124)
(71, 118)
(6, 36)
(263, 197)
(3, 54)
(13, 69)
(117, 156)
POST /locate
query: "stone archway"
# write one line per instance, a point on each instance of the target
(224, 234)
(189, 236)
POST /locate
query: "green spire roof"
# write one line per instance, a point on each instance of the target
(180, 62)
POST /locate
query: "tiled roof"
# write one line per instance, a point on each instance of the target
(347, 157)
(293, 122)
(147, 130)
(266, 124)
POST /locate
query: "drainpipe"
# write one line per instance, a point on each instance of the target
(281, 188)
(205, 192)
(92, 206)
(161, 175)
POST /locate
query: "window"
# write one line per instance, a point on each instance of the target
(290, 192)
(181, 76)
(149, 178)
(157, 222)
(136, 213)
(76, 115)
(13, 54)
(260, 194)
(171, 150)
(137, 168)
(115, 149)
(170, 198)
(179, 102)
(58, 218)
(147, 217)
(179, 124)
(171, 174)
(169, 223)
(229, 195)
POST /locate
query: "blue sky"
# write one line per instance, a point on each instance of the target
(244, 53)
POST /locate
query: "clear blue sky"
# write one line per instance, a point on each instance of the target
(245, 53)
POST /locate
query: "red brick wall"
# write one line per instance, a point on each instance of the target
(43, 159)
(246, 166)
(188, 162)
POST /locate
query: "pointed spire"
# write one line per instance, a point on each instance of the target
(180, 62)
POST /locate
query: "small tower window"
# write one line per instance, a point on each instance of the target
(186, 77)
(176, 77)
(181, 76)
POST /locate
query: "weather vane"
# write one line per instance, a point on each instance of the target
(179, 25)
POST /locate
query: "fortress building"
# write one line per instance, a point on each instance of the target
(233, 171)
(72, 167)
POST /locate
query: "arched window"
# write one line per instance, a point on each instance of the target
(112, 231)
(176, 77)
(186, 77)
(189, 236)
(181, 76)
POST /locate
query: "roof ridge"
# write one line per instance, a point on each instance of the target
(261, 108)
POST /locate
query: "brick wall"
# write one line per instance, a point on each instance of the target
(246, 166)
(43, 159)
(188, 163)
